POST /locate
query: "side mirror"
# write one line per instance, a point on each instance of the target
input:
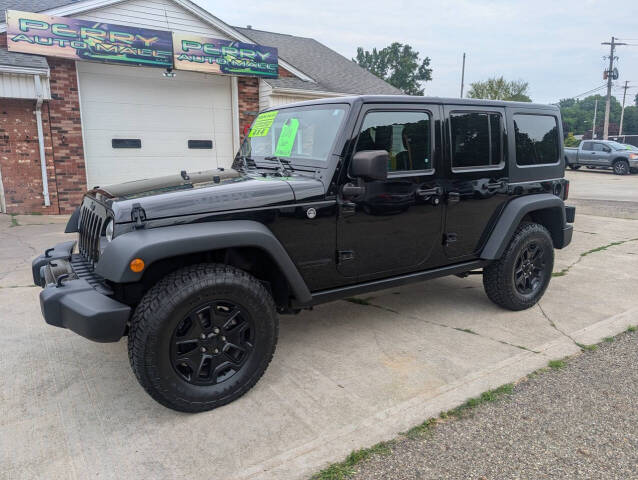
(606, 149)
(370, 164)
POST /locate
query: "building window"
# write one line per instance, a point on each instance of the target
(477, 140)
(536, 139)
(200, 144)
(406, 136)
(126, 143)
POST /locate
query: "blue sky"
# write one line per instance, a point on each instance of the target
(555, 46)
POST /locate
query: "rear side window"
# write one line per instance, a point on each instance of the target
(476, 140)
(536, 139)
(588, 146)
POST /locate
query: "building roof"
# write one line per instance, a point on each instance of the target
(30, 6)
(331, 71)
(24, 60)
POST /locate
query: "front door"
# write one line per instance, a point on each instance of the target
(600, 154)
(394, 225)
(477, 183)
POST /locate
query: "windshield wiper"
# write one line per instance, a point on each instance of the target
(284, 165)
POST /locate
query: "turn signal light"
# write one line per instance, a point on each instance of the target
(136, 265)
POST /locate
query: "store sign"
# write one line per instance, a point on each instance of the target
(85, 40)
(212, 55)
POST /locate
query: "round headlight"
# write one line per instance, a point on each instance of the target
(109, 230)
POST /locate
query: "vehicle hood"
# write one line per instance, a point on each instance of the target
(205, 192)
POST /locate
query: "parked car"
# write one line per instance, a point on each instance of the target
(602, 153)
(325, 200)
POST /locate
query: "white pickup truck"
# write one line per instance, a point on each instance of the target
(602, 153)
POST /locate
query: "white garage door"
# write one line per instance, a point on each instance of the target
(138, 123)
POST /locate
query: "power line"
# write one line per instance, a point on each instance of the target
(589, 92)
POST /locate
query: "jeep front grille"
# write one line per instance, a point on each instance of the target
(90, 230)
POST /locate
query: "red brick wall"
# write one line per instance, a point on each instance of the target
(19, 154)
(20, 158)
(248, 96)
(66, 134)
(284, 73)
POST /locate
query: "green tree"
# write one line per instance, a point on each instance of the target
(500, 89)
(571, 141)
(578, 115)
(397, 64)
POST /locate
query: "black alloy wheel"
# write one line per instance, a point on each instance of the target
(530, 269)
(212, 343)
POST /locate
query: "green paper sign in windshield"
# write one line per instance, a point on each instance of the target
(262, 124)
(287, 138)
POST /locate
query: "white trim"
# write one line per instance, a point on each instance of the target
(3, 205)
(86, 167)
(24, 70)
(234, 100)
(308, 93)
(87, 5)
(38, 120)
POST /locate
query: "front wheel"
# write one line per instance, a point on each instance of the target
(202, 337)
(520, 277)
(621, 167)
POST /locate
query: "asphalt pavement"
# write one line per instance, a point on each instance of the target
(579, 421)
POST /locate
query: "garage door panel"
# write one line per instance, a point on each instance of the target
(158, 118)
(110, 170)
(132, 102)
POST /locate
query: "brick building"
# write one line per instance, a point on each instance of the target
(67, 124)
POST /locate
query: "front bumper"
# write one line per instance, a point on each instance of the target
(74, 298)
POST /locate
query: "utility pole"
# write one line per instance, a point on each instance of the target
(462, 74)
(613, 44)
(593, 125)
(622, 112)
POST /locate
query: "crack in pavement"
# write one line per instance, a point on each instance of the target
(602, 248)
(366, 302)
(555, 327)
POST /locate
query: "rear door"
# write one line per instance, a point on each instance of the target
(477, 176)
(586, 153)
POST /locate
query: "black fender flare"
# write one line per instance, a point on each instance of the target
(156, 244)
(512, 215)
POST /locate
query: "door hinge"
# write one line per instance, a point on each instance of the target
(138, 215)
(344, 255)
(449, 238)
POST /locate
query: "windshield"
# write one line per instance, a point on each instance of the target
(303, 135)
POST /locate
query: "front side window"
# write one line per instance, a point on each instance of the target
(476, 140)
(301, 135)
(406, 136)
(536, 139)
(599, 147)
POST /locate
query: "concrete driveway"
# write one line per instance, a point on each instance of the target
(345, 375)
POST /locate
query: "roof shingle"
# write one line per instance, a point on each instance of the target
(332, 71)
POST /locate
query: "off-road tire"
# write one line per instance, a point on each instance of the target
(498, 277)
(621, 167)
(164, 306)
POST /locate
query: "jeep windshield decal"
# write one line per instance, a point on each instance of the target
(302, 134)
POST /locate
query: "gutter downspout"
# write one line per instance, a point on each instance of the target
(38, 118)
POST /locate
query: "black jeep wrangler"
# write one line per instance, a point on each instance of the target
(326, 199)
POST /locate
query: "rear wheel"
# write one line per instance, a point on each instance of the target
(621, 167)
(202, 337)
(520, 277)
(574, 167)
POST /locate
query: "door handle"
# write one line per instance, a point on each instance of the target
(428, 192)
(453, 197)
